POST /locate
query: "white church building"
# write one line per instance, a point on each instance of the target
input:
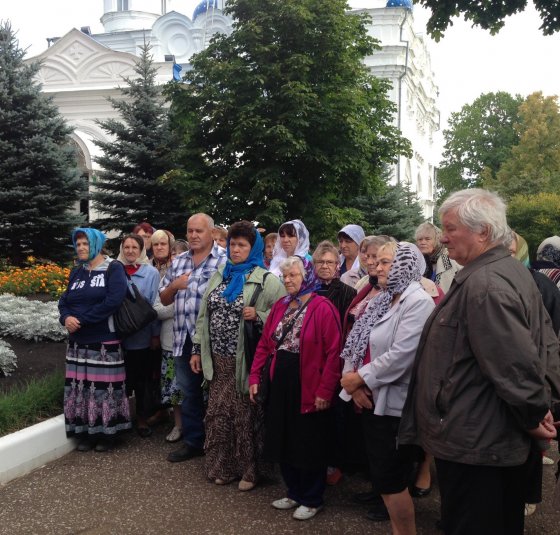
(80, 70)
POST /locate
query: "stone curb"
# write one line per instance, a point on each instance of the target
(24, 451)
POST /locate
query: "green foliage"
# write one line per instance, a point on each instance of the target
(39, 180)
(535, 217)
(534, 163)
(478, 140)
(129, 190)
(489, 15)
(396, 212)
(281, 119)
(26, 406)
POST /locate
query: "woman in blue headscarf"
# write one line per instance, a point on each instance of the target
(233, 440)
(95, 403)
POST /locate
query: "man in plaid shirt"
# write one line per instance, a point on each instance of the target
(184, 285)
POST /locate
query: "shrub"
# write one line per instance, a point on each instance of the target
(8, 359)
(36, 278)
(30, 320)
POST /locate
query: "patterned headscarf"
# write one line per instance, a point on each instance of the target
(310, 282)
(408, 266)
(549, 250)
(522, 253)
(95, 238)
(302, 247)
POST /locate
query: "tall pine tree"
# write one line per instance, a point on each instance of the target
(39, 179)
(129, 189)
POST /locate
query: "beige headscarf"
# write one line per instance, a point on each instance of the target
(142, 259)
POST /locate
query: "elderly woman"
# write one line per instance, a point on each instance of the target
(478, 393)
(293, 240)
(378, 359)
(325, 260)
(440, 268)
(357, 277)
(548, 259)
(95, 403)
(269, 242)
(302, 335)
(165, 248)
(233, 444)
(143, 367)
(349, 239)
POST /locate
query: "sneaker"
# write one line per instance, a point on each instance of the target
(284, 504)
(547, 460)
(245, 486)
(530, 508)
(174, 435)
(305, 513)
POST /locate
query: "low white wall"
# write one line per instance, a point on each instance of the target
(28, 449)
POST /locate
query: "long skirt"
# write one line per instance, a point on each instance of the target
(234, 427)
(300, 440)
(95, 400)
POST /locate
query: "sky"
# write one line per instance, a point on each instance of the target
(467, 61)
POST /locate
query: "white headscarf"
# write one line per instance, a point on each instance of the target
(302, 247)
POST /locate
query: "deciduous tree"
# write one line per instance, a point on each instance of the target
(282, 119)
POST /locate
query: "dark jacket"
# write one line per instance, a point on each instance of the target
(479, 378)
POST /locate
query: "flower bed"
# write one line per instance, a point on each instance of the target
(35, 279)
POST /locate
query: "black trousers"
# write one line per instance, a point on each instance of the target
(481, 500)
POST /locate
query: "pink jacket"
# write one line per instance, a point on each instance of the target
(320, 346)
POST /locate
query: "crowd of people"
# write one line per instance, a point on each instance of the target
(369, 354)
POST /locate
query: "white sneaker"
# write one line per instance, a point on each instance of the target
(284, 503)
(547, 460)
(305, 513)
(530, 508)
(174, 435)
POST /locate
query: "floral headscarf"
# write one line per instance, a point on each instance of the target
(408, 266)
(95, 238)
(549, 250)
(302, 247)
(310, 281)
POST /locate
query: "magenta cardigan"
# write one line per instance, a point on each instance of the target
(320, 346)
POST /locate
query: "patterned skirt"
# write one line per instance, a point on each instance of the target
(234, 428)
(171, 394)
(95, 400)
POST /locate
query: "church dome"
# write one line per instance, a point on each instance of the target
(203, 7)
(407, 4)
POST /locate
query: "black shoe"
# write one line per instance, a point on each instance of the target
(417, 492)
(85, 445)
(105, 444)
(144, 432)
(184, 453)
(367, 498)
(378, 513)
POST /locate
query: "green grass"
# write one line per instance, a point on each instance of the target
(38, 400)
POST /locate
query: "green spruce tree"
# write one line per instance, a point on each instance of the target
(282, 119)
(129, 189)
(39, 179)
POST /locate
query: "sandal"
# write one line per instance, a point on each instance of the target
(174, 435)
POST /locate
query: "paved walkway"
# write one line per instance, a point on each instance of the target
(134, 490)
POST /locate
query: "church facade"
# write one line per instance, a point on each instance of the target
(80, 70)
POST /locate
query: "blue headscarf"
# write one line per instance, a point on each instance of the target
(238, 272)
(311, 282)
(95, 238)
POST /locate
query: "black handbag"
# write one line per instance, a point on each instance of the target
(134, 313)
(264, 384)
(252, 329)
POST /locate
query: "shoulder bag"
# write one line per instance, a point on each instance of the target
(252, 328)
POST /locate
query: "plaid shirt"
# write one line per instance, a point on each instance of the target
(187, 302)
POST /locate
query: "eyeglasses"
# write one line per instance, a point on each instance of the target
(329, 263)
